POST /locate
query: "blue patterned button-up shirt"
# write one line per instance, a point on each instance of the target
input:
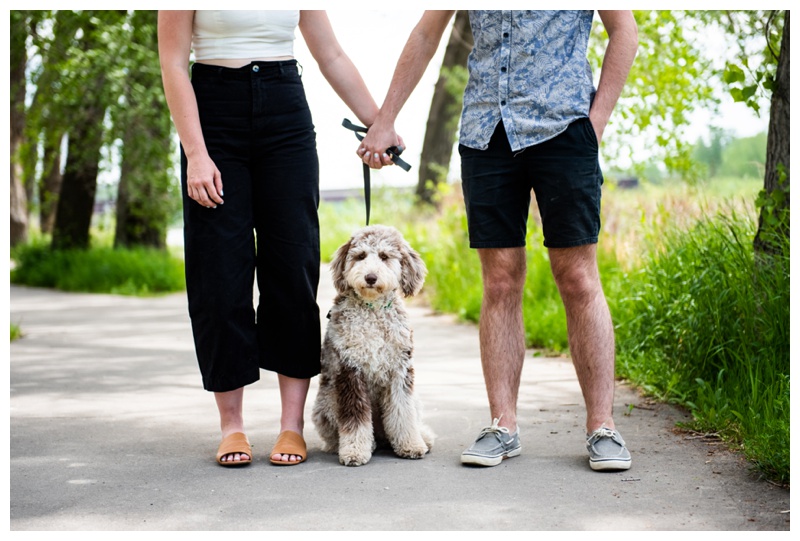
(528, 69)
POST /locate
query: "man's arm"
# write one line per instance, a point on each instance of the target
(417, 54)
(623, 41)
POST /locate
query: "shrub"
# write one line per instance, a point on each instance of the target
(138, 271)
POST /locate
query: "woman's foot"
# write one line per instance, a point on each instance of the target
(235, 457)
(289, 449)
(234, 450)
(229, 405)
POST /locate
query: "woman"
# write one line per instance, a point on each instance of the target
(244, 125)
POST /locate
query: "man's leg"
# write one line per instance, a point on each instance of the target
(589, 327)
(591, 344)
(502, 335)
(502, 340)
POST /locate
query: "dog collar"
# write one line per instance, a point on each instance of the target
(372, 305)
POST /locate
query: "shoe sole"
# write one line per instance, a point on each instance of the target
(609, 465)
(478, 460)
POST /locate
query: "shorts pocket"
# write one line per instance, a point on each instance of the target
(590, 133)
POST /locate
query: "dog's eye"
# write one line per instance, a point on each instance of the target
(361, 256)
(384, 256)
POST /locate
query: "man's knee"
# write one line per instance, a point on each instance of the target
(503, 287)
(575, 272)
(503, 272)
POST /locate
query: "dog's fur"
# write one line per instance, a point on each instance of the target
(366, 388)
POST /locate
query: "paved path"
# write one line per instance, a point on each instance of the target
(110, 430)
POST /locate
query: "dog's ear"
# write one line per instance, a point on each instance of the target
(412, 271)
(338, 265)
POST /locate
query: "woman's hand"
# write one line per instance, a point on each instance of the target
(204, 181)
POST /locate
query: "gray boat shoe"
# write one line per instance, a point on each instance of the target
(494, 444)
(607, 451)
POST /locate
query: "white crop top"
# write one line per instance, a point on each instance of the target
(243, 34)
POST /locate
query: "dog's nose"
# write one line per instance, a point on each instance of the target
(371, 279)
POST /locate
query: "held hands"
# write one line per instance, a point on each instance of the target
(204, 181)
(372, 149)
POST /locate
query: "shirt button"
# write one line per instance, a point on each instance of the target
(503, 69)
(255, 68)
(505, 34)
(503, 102)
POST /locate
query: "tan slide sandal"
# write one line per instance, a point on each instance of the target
(232, 444)
(289, 443)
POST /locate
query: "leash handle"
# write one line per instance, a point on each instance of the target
(393, 152)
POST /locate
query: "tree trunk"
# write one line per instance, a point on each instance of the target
(18, 201)
(440, 131)
(50, 181)
(79, 184)
(46, 117)
(143, 196)
(773, 220)
(85, 139)
(142, 214)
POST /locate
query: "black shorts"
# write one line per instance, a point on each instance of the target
(564, 174)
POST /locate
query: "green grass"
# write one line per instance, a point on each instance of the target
(707, 326)
(16, 332)
(97, 270)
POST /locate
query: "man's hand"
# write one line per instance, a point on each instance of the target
(599, 127)
(417, 54)
(379, 138)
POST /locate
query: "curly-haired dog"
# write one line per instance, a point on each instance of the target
(366, 388)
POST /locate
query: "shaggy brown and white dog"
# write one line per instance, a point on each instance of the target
(366, 388)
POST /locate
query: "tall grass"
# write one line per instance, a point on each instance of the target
(706, 324)
(100, 269)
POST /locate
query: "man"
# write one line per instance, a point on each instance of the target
(531, 120)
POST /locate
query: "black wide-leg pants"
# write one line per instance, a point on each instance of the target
(258, 131)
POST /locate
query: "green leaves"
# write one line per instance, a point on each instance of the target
(670, 79)
(677, 73)
(733, 74)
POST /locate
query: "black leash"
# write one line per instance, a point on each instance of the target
(393, 152)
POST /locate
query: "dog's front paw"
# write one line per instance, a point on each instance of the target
(353, 458)
(415, 450)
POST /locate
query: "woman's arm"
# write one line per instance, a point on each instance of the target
(204, 182)
(338, 69)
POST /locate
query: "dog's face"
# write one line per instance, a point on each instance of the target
(375, 261)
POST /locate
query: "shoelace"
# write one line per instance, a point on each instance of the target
(605, 432)
(496, 429)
